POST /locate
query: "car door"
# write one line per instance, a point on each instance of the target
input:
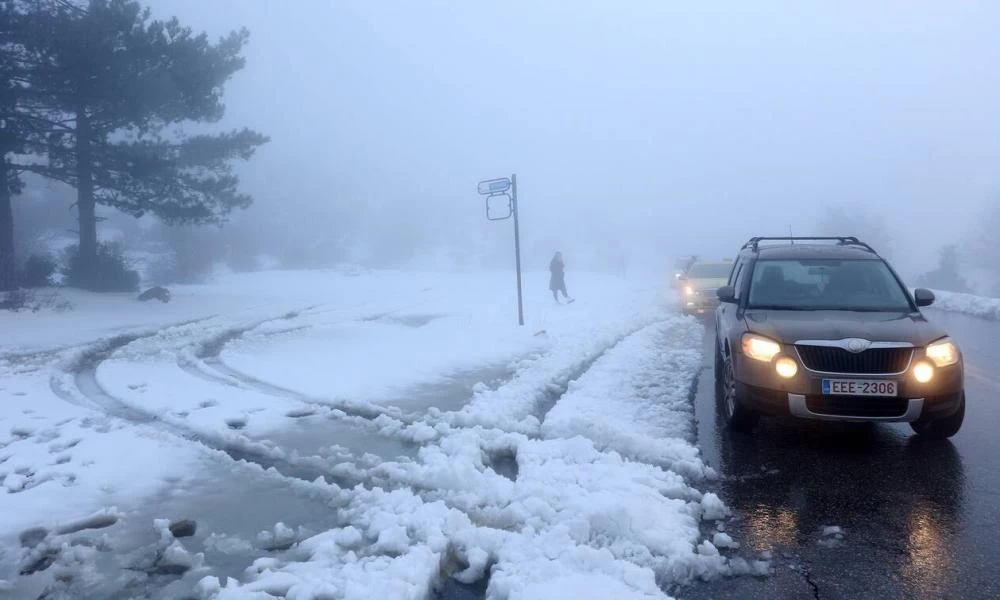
(727, 314)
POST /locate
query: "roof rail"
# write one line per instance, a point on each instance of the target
(841, 240)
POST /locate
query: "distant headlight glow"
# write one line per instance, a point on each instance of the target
(688, 290)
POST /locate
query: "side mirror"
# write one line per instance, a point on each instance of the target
(726, 293)
(924, 297)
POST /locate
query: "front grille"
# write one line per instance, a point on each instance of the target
(857, 406)
(830, 359)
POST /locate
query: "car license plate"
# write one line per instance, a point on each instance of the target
(859, 387)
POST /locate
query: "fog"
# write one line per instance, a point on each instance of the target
(637, 130)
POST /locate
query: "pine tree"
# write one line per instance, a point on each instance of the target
(948, 274)
(16, 127)
(121, 79)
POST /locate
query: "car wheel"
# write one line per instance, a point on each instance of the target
(738, 417)
(940, 429)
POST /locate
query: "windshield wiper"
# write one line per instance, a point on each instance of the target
(776, 307)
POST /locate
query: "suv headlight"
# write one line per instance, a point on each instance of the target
(943, 353)
(759, 347)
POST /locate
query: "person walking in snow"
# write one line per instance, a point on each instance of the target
(557, 282)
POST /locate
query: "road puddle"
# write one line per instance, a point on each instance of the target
(235, 518)
(324, 435)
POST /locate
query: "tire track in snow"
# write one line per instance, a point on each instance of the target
(77, 383)
(561, 385)
(206, 363)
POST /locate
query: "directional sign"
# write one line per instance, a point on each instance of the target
(494, 186)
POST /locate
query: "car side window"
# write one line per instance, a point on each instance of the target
(734, 272)
(738, 280)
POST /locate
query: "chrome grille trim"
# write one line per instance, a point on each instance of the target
(909, 362)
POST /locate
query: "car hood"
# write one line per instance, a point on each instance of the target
(790, 326)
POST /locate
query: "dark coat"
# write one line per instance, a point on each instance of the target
(558, 279)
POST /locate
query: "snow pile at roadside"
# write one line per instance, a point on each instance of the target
(583, 514)
(636, 400)
(969, 304)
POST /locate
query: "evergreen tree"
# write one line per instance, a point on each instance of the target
(856, 220)
(948, 274)
(16, 125)
(122, 78)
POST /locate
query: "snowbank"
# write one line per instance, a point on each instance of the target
(969, 304)
(636, 400)
(588, 511)
(571, 474)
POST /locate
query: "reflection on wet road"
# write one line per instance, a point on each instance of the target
(916, 519)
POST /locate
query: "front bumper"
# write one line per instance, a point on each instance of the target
(760, 388)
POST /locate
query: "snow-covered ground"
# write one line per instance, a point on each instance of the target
(357, 435)
(969, 304)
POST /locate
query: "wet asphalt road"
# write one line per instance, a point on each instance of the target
(919, 519)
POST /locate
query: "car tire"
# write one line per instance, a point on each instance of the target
(940, 429)
(719, 364)
(738, 417)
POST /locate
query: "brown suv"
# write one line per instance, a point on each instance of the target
(823, 328)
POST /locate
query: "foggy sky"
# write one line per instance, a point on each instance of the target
(642, 127)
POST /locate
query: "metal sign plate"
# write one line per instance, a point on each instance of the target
(499, 207)
(494, 186)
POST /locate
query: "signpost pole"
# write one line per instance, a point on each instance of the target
(517, 248)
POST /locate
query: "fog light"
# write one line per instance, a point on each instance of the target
(923, 372)
(786, 367)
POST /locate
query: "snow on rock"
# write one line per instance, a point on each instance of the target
(99, 520)
(175, 558)
(282, 536)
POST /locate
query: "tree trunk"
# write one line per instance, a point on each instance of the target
(85, 205)
(8, 275)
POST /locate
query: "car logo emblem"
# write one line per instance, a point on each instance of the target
(857, 345)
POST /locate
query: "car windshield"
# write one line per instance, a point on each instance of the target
(710, 270)
(860, 285)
